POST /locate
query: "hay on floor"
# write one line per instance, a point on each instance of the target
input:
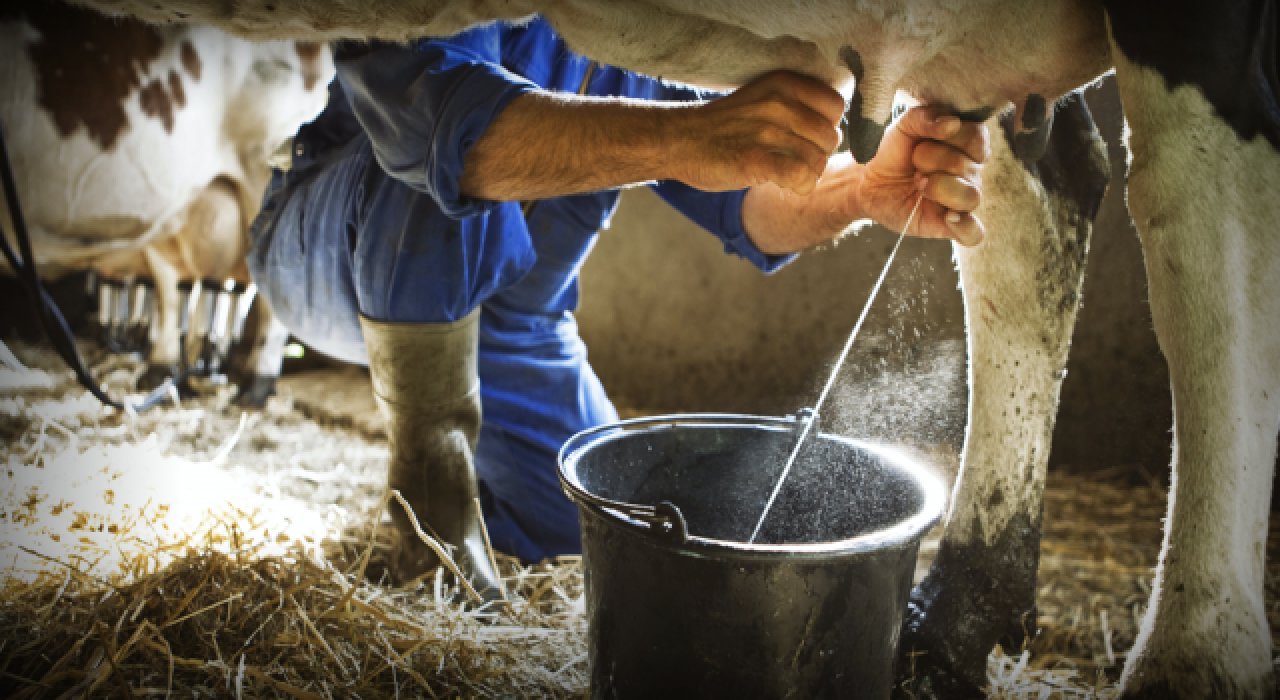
(218, 625)
(199, 551)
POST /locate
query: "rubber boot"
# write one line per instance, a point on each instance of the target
(427, 387)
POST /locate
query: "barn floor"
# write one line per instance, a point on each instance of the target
(207, 552)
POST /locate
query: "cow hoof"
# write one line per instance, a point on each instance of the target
(945, 643)
(934, 683)
(155, 376)
(1241, 670)
(255, 390)
(972, 599)
(1152, 692)
(923, 673)
(1164, 691)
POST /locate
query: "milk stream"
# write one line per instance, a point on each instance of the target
(831, 379)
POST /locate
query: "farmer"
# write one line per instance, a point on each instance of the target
(436, 215)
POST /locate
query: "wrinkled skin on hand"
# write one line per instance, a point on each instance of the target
(780, 128)
(938, 155)
(923, 153)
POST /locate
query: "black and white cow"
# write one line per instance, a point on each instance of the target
(1198, 81)
(142, 151)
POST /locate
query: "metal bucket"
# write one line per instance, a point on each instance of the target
(679, 605)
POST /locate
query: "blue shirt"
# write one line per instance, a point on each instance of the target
(340, 237)
(423, 109)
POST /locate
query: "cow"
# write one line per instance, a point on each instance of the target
(141, 152)
(1198, 82)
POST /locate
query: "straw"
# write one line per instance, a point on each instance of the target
(207, 606)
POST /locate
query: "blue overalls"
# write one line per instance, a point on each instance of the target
(370, 220)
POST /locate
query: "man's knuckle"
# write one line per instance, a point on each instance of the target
(789, 79)
(778, 111)
(796, 170)
(817, 123)
(767, 133)
(817, 156)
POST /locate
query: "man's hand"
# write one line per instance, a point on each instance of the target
(938, 155)
(941, 157)
(779, 128)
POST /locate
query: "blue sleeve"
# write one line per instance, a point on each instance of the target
(425, 105)
(721, 214)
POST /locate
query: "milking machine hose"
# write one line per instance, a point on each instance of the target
(51, 318)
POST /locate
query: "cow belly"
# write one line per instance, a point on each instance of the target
(968, 54)
(106, 162)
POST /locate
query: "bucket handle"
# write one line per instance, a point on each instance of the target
(665, 520)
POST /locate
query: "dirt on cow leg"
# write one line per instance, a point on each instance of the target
(1021, 295)
(974, 598)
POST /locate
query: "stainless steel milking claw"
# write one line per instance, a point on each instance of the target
(126, 312)
(212, 322)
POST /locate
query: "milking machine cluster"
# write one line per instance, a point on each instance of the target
(213, 314)
(211, 323)
(126, 314)
(212, 326)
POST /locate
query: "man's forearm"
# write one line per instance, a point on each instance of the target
(780, 128)
(546, 145)
(775, 136)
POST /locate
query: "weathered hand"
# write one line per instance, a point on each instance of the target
(940, 156)
(779, 128)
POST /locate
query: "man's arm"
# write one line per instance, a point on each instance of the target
(775, 136)
(780, 129)
(424, 105)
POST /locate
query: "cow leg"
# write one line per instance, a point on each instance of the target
(255, 365)
(163, 361)
(1021, 290)
(1205, 205)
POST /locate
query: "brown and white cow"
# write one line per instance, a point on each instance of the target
(1199, 87)
(142, 151)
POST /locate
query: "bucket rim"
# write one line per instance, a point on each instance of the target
(907, 531)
